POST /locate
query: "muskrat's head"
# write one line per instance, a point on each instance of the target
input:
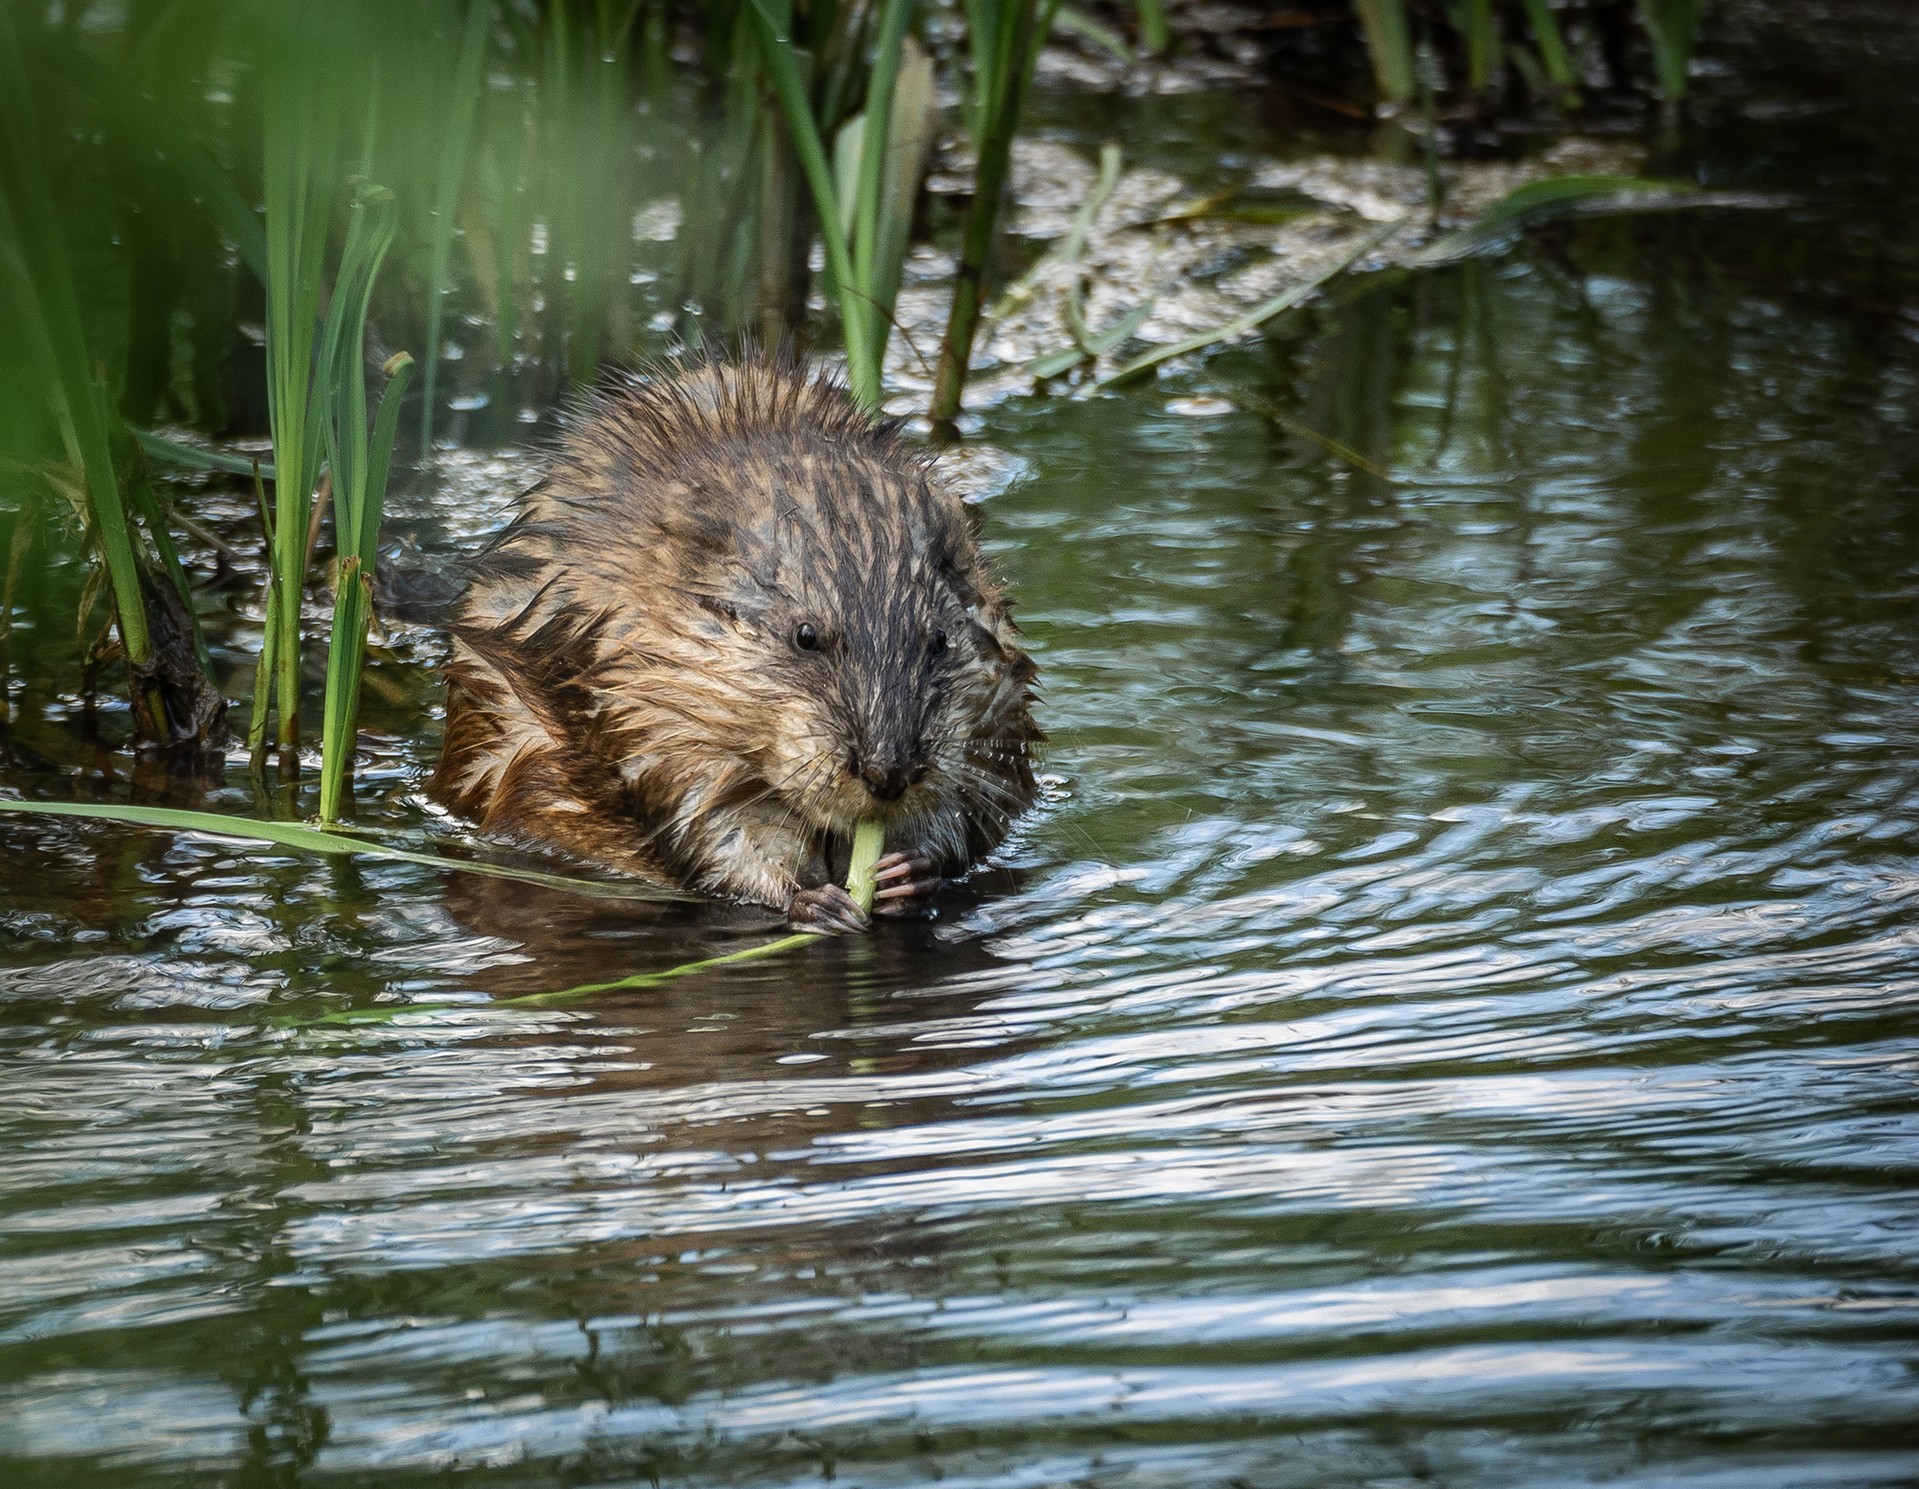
(788, 607)
(901, 689)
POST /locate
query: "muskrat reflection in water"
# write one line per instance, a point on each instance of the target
(738, 617)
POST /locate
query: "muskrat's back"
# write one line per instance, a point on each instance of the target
(736, 618)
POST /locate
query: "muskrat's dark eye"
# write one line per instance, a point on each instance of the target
(806, 638)
(939, 642)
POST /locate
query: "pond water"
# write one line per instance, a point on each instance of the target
(1453, 1020)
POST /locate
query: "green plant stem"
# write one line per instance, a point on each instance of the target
(1006, 72)
(1389, 42)
(1672, 26)
(1482, 44)
(1153, 32)
(301, 133)
(876, 138)
(353, 600)
(55, 330)
(774, 22)
(332, 843)
(453, 153)
(1552, 48)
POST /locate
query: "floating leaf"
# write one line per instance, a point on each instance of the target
(1540, 201)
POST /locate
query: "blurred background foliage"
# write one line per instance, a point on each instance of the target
(240, 217)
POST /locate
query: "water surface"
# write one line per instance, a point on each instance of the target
(1453, 1020)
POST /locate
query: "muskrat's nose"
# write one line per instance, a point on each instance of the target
(886, 781)
(885, 784)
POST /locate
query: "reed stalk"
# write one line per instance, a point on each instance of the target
(1672, 26)
(49, 328)
(1389, 43)
(463, 105)
(1154, 35)
(778, 55)
(868, 838)
(302, 128)
(359, 467)
(1004, 37)
(328, 843)
(1552, 49)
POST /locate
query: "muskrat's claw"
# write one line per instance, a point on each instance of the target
(906, 881)
(828, 910)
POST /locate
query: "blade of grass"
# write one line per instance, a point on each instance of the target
(195, 457)
(1672, 26)
(1153, 33)
(1552, 49)
(1482, 44)
(1005, 71)
(1538, 201)
(353, 598)
(302, 124)
(773, 19)
(1259, 314)
(305, 839)
(1389, 41)
(54, 330)
(452, 170)
(1072, 19)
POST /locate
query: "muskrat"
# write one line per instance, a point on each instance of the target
(737, 617)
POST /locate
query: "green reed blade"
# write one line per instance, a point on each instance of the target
(774, 22)
(1482, 44)
(876, 141)
(1072, 19)
(399, 372)
(342, 368)
(909, 142)
(454, 144)
(1539, 201)
(305, 839)
(1019, 27)
(1672, 26)
(195, 457)
(346, 654)
(1389, 41)
(1552, 47)
(353, 596)
(1153, 32)
(301, 137)
(54, 330)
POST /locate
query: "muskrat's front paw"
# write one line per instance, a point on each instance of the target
(906, 882)
(828, 911)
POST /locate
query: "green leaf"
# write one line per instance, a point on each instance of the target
(305, 839)
(1539, 201)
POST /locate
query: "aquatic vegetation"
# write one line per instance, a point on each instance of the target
(1003, 39)
(327, 842)
(59, 383)
(1473, 42)
(540, 181)
(560, 187)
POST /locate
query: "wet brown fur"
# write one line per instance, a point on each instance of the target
(625, 681)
